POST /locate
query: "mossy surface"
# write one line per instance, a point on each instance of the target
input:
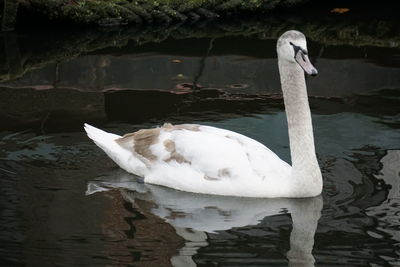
(120, 12)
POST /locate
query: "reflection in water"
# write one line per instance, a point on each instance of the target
(195, 215)
(387, 213)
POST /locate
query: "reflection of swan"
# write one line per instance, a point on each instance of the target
(390, 172)
(387, 225)
(209, 160)
(194, 215)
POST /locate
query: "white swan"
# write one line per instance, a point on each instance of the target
(209, 160)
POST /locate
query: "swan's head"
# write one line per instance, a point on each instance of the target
(292, 48)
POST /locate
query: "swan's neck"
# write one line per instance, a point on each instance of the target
(304, 161)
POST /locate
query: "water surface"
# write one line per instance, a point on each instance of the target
(64, 203)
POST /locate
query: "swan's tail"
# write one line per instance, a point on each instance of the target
(123, 157)
(106, 141)
(103, 139)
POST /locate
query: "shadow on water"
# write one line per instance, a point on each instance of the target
(124, 80)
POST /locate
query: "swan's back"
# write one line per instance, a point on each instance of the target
(204, 159)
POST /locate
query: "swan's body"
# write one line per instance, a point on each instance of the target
(209, 160)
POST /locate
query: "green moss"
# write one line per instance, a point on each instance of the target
(139, 11)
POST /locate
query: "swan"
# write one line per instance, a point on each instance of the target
(208, 160)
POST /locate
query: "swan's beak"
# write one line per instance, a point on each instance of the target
(305, 63)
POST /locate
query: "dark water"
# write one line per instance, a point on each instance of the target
(64, 203)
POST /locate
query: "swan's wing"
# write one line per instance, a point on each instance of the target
(204, 159)
(263, 162)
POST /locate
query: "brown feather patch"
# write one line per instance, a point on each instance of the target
(141, 141)
(224, 172)
(174, 155)
(190, 127)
